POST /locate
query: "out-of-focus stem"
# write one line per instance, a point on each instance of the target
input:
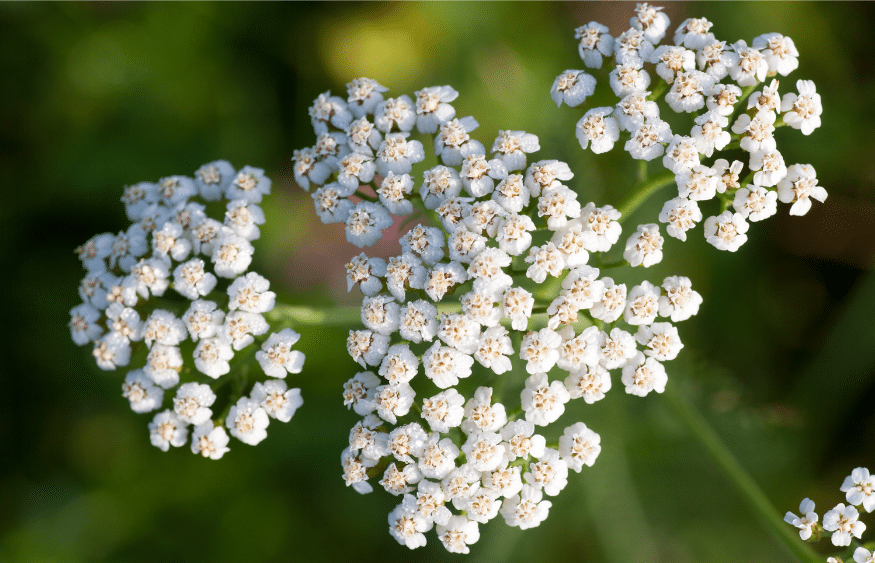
(696, 424)
(639, 194)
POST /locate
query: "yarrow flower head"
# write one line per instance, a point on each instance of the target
(174, 250)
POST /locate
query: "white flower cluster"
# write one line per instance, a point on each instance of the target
(455, 461)
(843, 521)
(215, 309)
(727, 115)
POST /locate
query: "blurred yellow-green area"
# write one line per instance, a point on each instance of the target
(96, 96)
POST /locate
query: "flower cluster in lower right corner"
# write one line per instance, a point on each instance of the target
(843, 521)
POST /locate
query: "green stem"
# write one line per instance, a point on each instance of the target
(658, 91)
(311, 316)
(696, 424)
(361, 195)
(639, 194)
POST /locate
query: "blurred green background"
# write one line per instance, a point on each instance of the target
(781, 358)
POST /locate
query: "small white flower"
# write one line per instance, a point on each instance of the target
(546, 174)
(330, 205)
(276, 356)
(493, 348)
(442, 278)
(687, 91)
(522, 441)
(483, 505)
(723, 98)
(277, 399)
(726, 231)
(767, 100)
(445, 365)
(192, 403)
(708, 134)
(400, 481)
(460, 485)
(481, 308)
(578, 351)
(572, 87)
(599, 128)
(506, 481)
(361, 269)
(779, 51)
(209, 440)
(698, 183)
(407, 527)
(192, 281)
(612, 304)
(452, 143)
(681, 215)
(661, 340)
(542, 401)
(397, 154)
(424, 242)
(644, 247)
(628, 78)
(544, 260)
(438, 457)
(395, 112)
(363, 95)
(433, 108)
(590, 382)
(859, 488)
(581, 287)
(487, 270)
(579, 446)
(481, 415)
(526, 510)
(163, 364)
(250, 184)
(355, 471)
(458, 534)
(203, 320)
(453, 212)
(770, 166)
(803, 111)
(465, 245)
(747, 65)
(671, 60)
(641, 376)
(366, 347)
(651, 20)
(649, 139)
(399, 365)
(232, 254)
(512, 193)
(843, 522)
(485, 216)
(512, 147)
(799, 187)
(380, 314)
(756, 203)
(363, 137)
(429, 502)
(540, 350)
(558, 204)
(406, 441)
(595, 43)
(681, 154)
(439, 183)
(141, 392)
(241, 328)
(631, 47)
(358, 392)
(757, 132)
(602, 228)
(680, 302)
(392, 401)
(862, 555)
(478, 175)
(164, 328)
(247, 421)
(727, 175)
(83, 323)
(366, 222)
(211, 357)
(617, 349)
(150, 275)
(484, 450)
(633, 110)
(402, 272)
(328, 109)
(514, 234)
(642, 304)
(460, 331)
(444, 411)
(167, 430)
(169, 241)
(418, 321)
(693, 33)
(549, 473)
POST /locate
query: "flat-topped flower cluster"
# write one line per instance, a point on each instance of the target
(843, 521)
(214, 311)
(726, 90)
(461, 300)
